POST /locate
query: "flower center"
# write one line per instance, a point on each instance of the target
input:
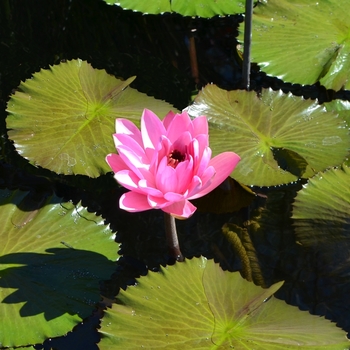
(175, 157)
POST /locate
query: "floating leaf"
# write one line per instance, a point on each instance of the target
(341, 107)
(321, 209)
(201, 8)
(63, 118)
(303, 42)
(51, 263)
(197, 305)
(279, 137)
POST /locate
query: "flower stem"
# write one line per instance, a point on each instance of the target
(171, 237)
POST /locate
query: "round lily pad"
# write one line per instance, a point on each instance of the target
(197, 305)
(279, 137)
(53, 256)
(321, 209)
(64, 117)
(201, 8)
(303, 41)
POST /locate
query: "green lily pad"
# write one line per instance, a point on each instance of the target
(279, 137)
(53, 256)
(303, 42)
(321, 209)
(197, 305)
(64, 117)
(341, 107)
(201, 8)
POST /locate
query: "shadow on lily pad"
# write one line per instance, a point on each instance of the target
(65, 280)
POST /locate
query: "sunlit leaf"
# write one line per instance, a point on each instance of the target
(63, 118)
(197, 305)
(201, 8)
(321, 211)
(341, 107)
(53, 256)
(279, 137)
(303, 41)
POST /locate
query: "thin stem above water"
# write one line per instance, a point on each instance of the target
(171, 237)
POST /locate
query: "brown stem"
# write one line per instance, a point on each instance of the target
(171, 237)
(193, 59)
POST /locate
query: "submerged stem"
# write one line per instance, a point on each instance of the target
(171, 237)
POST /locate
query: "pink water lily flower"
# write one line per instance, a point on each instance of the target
(167, 163)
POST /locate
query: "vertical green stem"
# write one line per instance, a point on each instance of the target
(247, 43)
(171, 237)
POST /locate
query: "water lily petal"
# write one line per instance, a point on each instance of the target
(152, 129)
(134, 202)
(180, 124)
(182, 143)
(194, 187)
(124, 126)
(161, 152)
(200, 126)
(203, 164)
(184, 173)
(115, 162)
(149, 188)
(168, 118)
(126, 140)
(133, 161)
(128, 179)
(203, 141)
(157, 202)
(183, 209)
(207, 179)
(166, 179)
(173, 197)
(224, 164)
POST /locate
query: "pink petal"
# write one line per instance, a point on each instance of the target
(157, 202)
(127, 179)
(200, 126)
(223, 164)
(183, 209)
(151, 129)
(133, 162)
(149, 188)
(173, 197)
(184, 173)
(126, 140)
(168, 118)
(124, 126)
(115, 162)
(166, 179)
(194, 187)
(208, 175)
(182, 142)
(180, 124)
(162, 151)
(206, 179)
(134, 202)
(203, 164)
(203, 141)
